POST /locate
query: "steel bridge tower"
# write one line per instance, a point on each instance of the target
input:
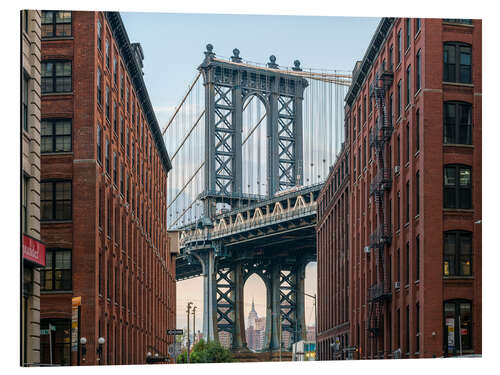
(228, 85)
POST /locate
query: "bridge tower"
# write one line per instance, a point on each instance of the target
(228, 84)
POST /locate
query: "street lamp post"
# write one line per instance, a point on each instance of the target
(101, 342)
(188, 341)
(315, 326)
(194, 325)
(83, 349)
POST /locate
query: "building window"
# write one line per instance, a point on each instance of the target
(121, 179)
(56, 76)
(407, 201)
(399, 99)
(115, 168)
(56, 341)
(107, 157)
(56, 23)
(99, 144)
(457, 326)
(417, 131)
(55, 200)
(115, 117)
(55, 136)
(399, 149)
(25, 101)
(57, 272)
(417, 25)
(457, 259)
(122, 140)
(26, 20)
(391, 62)
(457, 123)
(399, 46)
(99, 35)
(407, 143)
(461, 21)
(417, 258)
(417, 193)
(122, 88)
(107, 54)
(25, 204)
(391, 109)
(108, 105)
(457, 186)
(408, 33)
(407, 333)
(457, 59)
(417, 328)
(399, 211)
(99, 87)
(418, 70)
(115, 70)
(408, 85)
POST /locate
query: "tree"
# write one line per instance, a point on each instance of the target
(207, 352)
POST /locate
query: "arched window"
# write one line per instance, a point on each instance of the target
(457, 187)
(457, 123)
(457, 257)
(457, 62)
(457, 325)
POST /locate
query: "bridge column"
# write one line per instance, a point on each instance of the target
(272, 141)
(209, 297)
(300, 301)
(275, 308)
(239, 339)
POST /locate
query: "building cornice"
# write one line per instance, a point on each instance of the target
(371, 54)
(135, 73)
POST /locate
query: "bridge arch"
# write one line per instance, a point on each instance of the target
(257, 284)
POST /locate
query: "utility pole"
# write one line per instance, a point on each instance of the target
(194, 325)
(188, 343)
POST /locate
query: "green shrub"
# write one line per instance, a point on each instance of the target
(207, 352)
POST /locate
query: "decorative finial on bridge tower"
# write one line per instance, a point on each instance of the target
(272, 62)
(236, 56)
(209, 55)
(297, 67)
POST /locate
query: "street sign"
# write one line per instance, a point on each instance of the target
(175, 332)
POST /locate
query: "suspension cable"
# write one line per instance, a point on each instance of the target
(182, 102)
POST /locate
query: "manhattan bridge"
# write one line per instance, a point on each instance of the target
(251, 147)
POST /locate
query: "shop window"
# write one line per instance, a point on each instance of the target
(457, 322)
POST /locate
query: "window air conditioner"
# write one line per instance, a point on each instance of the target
(367, 249)
(396, 285)
(396, 169)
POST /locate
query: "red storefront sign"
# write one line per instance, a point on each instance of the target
(33, 250)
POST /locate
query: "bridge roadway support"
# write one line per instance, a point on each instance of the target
(239, 337)
(207, 261)
(223, 298)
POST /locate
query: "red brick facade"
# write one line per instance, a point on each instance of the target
(333, 264)
(122, 263)
(413, 319)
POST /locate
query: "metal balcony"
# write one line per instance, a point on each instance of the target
(378, 292)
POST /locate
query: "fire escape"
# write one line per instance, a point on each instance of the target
(380, 292)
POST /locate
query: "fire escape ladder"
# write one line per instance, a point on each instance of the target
(380, 292)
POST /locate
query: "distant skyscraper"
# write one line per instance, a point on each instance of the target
(252, 316)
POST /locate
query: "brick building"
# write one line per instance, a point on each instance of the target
(103, 197)
(33, 249)
(333, 265)
(413, 117)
